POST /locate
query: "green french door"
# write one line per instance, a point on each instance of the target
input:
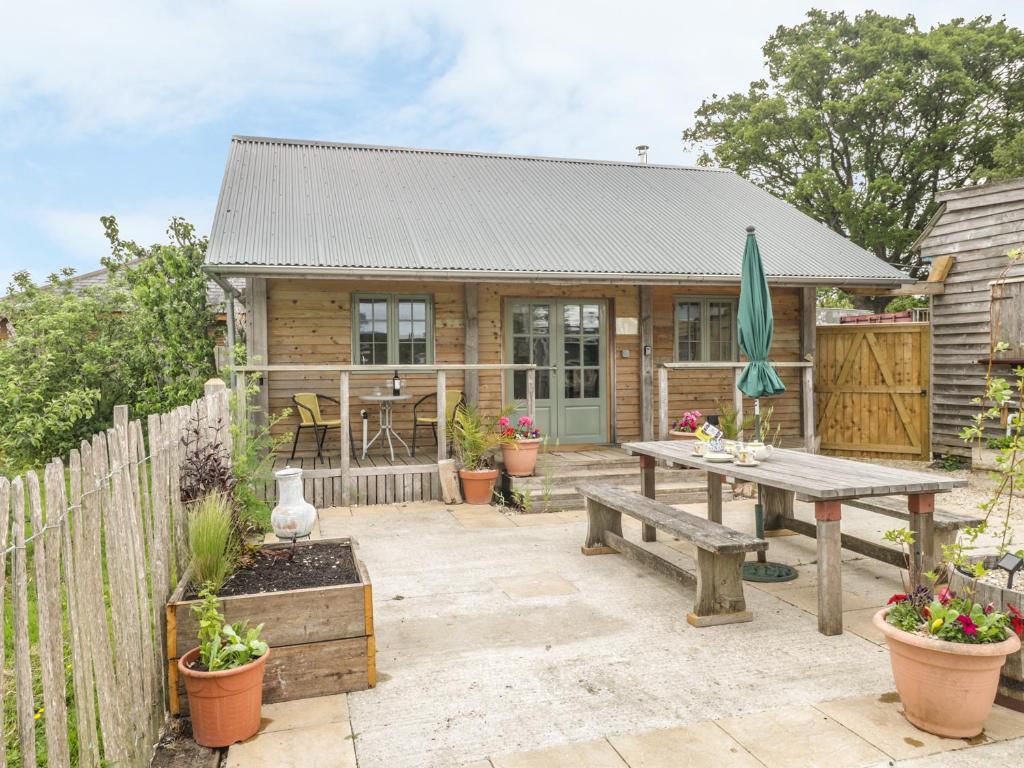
(567, 341)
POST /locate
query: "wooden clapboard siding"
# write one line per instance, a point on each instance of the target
(978, 226)
(701, 389)
(310, 321)
(871, 386)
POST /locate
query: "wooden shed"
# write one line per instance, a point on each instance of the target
(600, 296)
(981, 301)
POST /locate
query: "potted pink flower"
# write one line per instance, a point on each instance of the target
(520, 450)
(685, 427)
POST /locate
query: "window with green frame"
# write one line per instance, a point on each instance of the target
(392, 329)
(705, 328)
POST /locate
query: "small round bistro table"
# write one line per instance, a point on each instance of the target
(385, 402)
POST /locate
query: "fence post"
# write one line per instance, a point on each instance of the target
(663, 403)
(24, 700)
(531, 393)
(737, 395)
(442, 417)
(5, 527)
(807, 396)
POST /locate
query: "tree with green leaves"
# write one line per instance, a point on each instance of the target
(861, 121)
(143, 338)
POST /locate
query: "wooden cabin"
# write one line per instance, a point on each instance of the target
(981, 302)
(599, 295)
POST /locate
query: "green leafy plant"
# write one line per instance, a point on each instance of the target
(730, 422)
(765, 432)
(475, 436)
(212, 541)
(221, 645)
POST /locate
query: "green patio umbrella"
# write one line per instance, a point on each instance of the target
(758, 379)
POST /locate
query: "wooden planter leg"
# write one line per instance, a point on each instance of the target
(830, 575)
(601, 519)
(922, 523)
(719, 590)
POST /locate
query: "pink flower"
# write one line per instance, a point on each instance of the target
(989, 608)
(503, 421)
(945, 595)
(969, 626)
(525, 421)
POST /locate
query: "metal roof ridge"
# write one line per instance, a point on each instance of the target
(465, 153)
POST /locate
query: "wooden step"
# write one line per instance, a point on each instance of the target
(629, 475)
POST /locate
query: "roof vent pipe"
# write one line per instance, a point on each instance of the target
(641, 153)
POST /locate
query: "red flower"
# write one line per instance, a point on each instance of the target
(926, 613)
(1016, 620)
(968, 626)
(988, 608)
(897, 598)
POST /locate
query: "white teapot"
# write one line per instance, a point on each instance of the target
(760, 451)
(293, 517)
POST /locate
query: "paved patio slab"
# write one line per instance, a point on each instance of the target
(704, 745)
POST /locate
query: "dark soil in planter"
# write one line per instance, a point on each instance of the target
(314, 565)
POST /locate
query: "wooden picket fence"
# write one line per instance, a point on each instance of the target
(107, 542)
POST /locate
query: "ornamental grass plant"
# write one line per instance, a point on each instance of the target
(212, 541)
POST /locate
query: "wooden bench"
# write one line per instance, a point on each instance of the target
(720, 550)
(945, 525)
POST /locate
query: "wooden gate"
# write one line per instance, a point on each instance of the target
(871, 390)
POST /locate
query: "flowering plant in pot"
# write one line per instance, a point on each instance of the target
(520, 452)
(947, 649)
(223, 676)
(475, 438)
(685, 427)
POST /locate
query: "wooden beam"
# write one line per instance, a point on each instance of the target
(472, 341)
(922, 288)
(531, 394)
(346, 446)
(442, 417)
(646, 363)
(256, 340)
(808, 352)
(663, 403)
(941, 265)
(647, 474)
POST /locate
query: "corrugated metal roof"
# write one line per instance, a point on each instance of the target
(289, 203)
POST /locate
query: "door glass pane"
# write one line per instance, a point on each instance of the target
(571, 318)
(572, 352)
(543, 385)
(521, 349)
(591, 318)
(540, 350)
(573, 389)
(688, 330)
(541, 319)
(591, 382)
(519, 385)
(520, 319)
(591, 350)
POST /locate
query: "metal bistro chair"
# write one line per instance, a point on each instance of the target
(453, 398)
(310, 417)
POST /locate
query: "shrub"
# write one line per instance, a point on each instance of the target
(224, 646)
(211, 541)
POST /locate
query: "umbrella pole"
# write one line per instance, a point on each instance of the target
(762, 557)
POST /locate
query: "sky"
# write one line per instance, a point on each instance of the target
(127, 108)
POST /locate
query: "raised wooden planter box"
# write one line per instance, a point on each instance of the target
(321, 638)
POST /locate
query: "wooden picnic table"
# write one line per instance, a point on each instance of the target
(824, 480)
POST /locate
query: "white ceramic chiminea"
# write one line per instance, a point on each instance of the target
(293, 517)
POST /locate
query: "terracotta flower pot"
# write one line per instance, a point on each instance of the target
(677, 434)
(478, 485)
(521, 456)
(225, 706)
(946, 688)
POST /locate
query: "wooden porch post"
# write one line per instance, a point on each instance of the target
(241, 407)
(808, 349)
(646, 364)
(663, 403)
(346, 448)
(442, 416)
(531, 393)
(471, 381)
(256, 340)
